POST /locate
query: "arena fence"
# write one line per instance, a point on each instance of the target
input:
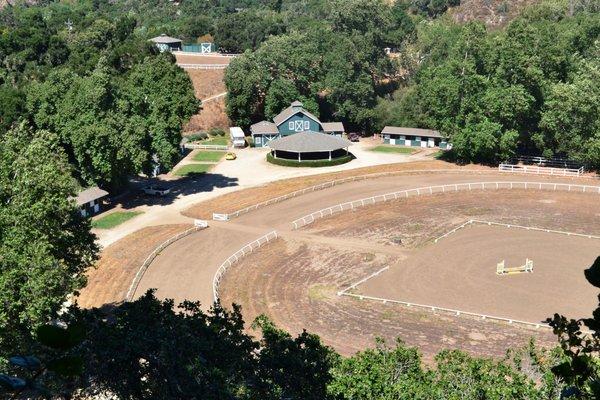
(351, 205)
(325, 185)
(528, 228)
(448, 310)
(202, 66)
(537, 170)
(247, 249)
(193, 53)
(558, 162)
(193, 146)
(140, 273)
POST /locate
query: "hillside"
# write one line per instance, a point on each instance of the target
(494, 13)
(207, 83)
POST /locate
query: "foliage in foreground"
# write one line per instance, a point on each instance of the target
(580, 342)
(148, 349)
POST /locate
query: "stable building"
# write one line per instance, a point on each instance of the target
(167, 43)
(89, 201)
(294, 119)
(309, 146)
(413, 137)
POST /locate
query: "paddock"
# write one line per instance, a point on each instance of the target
(295, 278)
(460, 272)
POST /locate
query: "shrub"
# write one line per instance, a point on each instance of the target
(216, 132)
(309, 163)
(196, 136)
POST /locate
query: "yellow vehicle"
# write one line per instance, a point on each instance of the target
(230, 156)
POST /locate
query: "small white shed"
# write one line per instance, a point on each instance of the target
(237, 136)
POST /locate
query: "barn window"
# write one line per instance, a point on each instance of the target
(306, 125)
(291, 125)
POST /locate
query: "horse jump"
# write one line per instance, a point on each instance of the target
(502, 270)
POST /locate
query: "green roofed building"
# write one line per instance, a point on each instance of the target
(413, 137)
(167, 43)
(294, 119)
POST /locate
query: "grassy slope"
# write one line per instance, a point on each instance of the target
(113, 219)
(494, 13)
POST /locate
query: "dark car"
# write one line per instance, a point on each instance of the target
(353, 137)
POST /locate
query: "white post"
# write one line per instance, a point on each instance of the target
(299, 157)
(330, 155)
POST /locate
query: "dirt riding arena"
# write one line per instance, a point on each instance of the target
(295, 279)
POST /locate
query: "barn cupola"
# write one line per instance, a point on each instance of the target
(297, 106)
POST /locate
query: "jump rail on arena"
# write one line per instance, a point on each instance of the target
(351, 205)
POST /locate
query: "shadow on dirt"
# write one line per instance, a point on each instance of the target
(191, 184)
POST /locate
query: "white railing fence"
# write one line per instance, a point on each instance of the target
(537, 170)
(140, 273)
(557, 162)
(195, 146)
(351, 205)
(202, 66)
(247, 249)
(528, 228)
(448, 310)
(193, 53)
(452, 231)
(336, 182)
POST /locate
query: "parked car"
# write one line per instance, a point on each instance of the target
(230, 156)
(155, 190)
(353, 137)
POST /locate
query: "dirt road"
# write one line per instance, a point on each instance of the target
(185, 270)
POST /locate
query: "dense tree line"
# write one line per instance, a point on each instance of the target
(115, 105)
(332, 59)
(45, 244)
(531, 87)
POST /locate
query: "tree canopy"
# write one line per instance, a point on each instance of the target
(45, 243)
(531, 87)
(116, 105)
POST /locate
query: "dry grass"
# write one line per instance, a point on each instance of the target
(109, 281)
(207, 82)
(232, 202)
(213, 115)
(494, 13)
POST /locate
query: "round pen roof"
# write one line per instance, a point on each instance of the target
(309, 142)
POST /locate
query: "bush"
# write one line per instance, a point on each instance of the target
(196, 136)
(309, 163)
(216, 132)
